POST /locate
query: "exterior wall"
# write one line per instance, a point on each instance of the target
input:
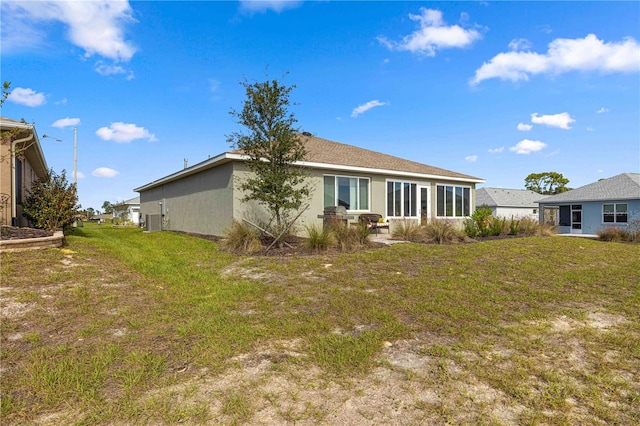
(592, 219)
(202, 203)
(207, 202)
(5, 183)
(516, 212)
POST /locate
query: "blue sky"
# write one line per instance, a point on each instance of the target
(496, 90)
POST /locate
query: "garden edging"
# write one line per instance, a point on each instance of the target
(32, 243)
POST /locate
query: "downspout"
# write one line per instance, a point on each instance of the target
(14, 204)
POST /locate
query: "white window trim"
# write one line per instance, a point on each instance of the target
(615, 214)
(386, 198)
(335, 192)
(471, 202)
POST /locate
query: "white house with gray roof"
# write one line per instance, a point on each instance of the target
(609, 202)
(509, 203)
(205, 198)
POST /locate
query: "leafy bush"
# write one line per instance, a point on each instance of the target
(52, 202)
(407, 230)
(441, 231)
(241, 238)
(514, 227)
(613, 233)
(470, 228)
(482, 216)
(497, 226)
(318, 238)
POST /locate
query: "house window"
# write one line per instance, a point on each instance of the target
(453, 201)
(614, 213)
(349, 192)
(402, 199)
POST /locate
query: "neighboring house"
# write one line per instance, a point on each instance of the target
(21, 164)
(132, 214)
(509, 203)
(204, 198)
(609, 202)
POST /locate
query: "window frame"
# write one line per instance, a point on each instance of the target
(400, 206)
(449, 195)
(358, 188)
(615, 213)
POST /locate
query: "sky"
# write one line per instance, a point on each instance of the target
(496, 90)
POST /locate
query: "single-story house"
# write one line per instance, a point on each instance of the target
(204, 198)
(609, 202)
(509, 203)
(132, 215)
(22, 162)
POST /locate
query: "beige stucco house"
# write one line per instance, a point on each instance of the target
(204, 198)
(21, 163)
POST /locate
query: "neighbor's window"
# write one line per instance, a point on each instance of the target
(402, 199)
(349, 192)
(614, 213)
(453, 201)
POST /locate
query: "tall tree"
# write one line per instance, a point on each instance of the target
(546, 183)
(272, 146)
(52, 202)
(107, 207)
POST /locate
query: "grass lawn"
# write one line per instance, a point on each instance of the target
(123, 327)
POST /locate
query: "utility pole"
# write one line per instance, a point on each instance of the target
(75, 157)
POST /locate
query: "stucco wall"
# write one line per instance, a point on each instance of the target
(201, 203)
(5, 182)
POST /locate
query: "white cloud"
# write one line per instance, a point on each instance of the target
(519, 44)
(432, 35)
(527, 146)
(124, 132)
(496, 150)
(105, 172)
(590, 129)
(66, 122)
(80, 175)
(564, 55)
(366, 107)
(471, 158)
(602, 110)
(524, 127)
(106, 69)
(214, 85)
(264, 5)
(96, 26)
(561, 120)
(27, 97)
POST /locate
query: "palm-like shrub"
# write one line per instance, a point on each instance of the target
(319, 238)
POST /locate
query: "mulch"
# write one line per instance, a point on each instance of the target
(15, 233)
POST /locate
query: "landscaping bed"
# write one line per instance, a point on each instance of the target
(15, 233)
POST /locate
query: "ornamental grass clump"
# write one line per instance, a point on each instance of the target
(613, 234)
(241, 238)
(441, 231)
(319, 238)
(407, 230)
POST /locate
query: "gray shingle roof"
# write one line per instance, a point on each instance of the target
(625, 186)
(501, 197)
(329, 152)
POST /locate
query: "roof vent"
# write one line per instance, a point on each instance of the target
(307, 134)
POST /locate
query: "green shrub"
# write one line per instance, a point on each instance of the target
(441, 231)
(241, 238)
(362, 233)
(318, 238)
(497, 226)
(407, 230)
(52, 202)
(613, 233)
(482, 216)
(514, 227)
(470, 228)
